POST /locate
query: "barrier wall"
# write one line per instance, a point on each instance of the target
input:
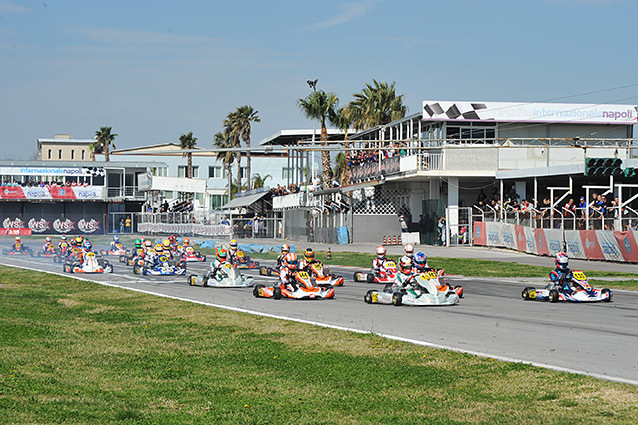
(185, 229)
(582, 244)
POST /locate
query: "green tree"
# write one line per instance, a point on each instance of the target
(243, 117)
(344, 119)
(260, 181)
(103, 141)
(222, 141)
(341, 168)
(231, 131)
(187, 141)
(321, 106)
(377, 104)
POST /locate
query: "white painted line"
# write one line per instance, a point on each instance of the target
(360, 331)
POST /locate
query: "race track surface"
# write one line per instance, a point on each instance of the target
(599, 339)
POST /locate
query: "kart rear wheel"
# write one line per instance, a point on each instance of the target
(144, 271)
(607, 291)
(256, 290)
(525, 293)
(191, 280)
(397, 298)
(368, 296)
(370, 278)
(136, 269)
(553, 296)
(276, 293)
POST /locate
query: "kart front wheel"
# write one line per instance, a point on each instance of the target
(370, 278)
(525, 293)
(553, 296)
(276, 293)
(606, 291)
(144, 271)
(191, 280)
(397, 298)
(368, 297)
(256, 290)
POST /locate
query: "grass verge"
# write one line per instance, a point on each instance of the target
(75, 352)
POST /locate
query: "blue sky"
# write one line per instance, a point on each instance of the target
(153, 70)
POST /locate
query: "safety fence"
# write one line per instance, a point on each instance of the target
(582, 244)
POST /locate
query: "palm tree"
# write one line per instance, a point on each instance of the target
(321, 106)
(377, 104)
(187, 141)
(259, 181)
(242, 119)
(222, 141)
(345, 118)
(234, 138)
(341, 168)
(103, 141)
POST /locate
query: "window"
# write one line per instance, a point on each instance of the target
(181, 171)
(72, 153)
(59, 153)
(49, 153)
(286, 172)
(244, 172)
(217, 201)
(83, 152)
(215, 172)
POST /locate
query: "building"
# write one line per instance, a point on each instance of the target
(64, 148)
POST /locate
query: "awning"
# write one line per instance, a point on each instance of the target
(244, 201)
(358, 186)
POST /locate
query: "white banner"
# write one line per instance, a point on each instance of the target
(609, 245)
(51, 171)
(179, 184)
(574, 244)
(529, 112)
(530, 240)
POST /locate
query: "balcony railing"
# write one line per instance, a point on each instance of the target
(124, 192)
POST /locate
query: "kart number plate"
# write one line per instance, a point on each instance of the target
(532, 293)
(430, 275)
(390, 264)
(375, 297)
(261, 292)
(580, 276)
(303, 275)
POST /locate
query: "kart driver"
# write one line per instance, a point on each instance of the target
(421, 263)
(166, 245)
(221, 257)
(406, 272)
(308, 260)
(378, 264)
(562, 275)
(285, 249)
(48, 245)
(115, 243)
(17, 245)
(409, 250)
(288, 269)
(62, 241)
(233, 247)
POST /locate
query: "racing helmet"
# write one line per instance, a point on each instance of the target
(172, 238)
(166, 243)
(186, 241)
(233, 245)
(79, 240)
(159, 248)
(48, 239)
(290, 261)
(405, 264)
(116, 238)
(409, 250)
(285, 248)
(88, 245)
(562, 261)
(148, 244)
(137, 243)
(64, 245)
(17, 238)
(420, 260)
(309, 255)
(221, 254)
(190, 249)
(381, 252)
(63, 237)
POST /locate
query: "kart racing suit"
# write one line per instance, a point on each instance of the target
(562, 278)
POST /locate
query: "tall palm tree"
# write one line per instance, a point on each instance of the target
(103, 141)
(344, 119)
(243, 117)
(377, 104)
(222, 141)
(234, 137)
(321, 106)
(187, 141)
(341, 168)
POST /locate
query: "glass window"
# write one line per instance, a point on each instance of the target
(286, 172)
(215, 172)
(49, 153)
(59, 153)
(181, 171)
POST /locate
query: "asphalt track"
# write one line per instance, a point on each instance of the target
(492, 320)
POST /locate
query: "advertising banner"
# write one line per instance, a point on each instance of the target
(627, 244)
(521, 241)
(63, 192)
(542, 248)
(480, 233)
(554, 239)
(53, 225)
(52, 171)
(531, 240)
(591, 246)
(574, 244)
(609, 245)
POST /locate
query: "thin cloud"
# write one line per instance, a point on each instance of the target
(347, 12)
(122, 36)
(9, 7)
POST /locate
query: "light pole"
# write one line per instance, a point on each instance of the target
(313, 85)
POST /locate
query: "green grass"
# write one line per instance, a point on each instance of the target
(75, 352)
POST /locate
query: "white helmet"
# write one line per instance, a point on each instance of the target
(381, 252)
(409, 250)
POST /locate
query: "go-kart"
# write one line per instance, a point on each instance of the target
(322, 275)
(243, 261)
(162, 266)
(116, 251)
(190, 255)
(47, 252)
(305, 289)
(91, 263)
(426, 289)
(387, 276)
(269, 271)
(227, 277)
(132, 256)
(580, 291)
(17, 250)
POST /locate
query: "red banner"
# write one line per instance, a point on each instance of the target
(12, 192)
(62, 193)
(521, 240)
(591, 246)
(480, 233)
(15, 232)
(627, 245)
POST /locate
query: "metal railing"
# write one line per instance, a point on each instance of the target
(430, 161)
(124, 192)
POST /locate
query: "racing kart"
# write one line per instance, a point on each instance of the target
(305, 289)
(388, 276)
(48, 252)
(19, 250)
(269, 271)
(162, 266)
(190, 255)
(427, 289)
(90, 264)
(227, 277)
(322, 275)
(243, 261)
(580, 291)
(115, 252)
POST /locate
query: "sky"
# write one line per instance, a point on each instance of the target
(153, 70)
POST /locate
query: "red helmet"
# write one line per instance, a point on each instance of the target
(409, 250)
(186, 241)
(405, 264)
(290, 261)
(221, 254)
(381, 252)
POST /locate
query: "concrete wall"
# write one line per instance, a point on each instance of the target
(471, 159)
(372, 228)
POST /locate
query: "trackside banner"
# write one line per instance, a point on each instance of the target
(80, 193)
(581, 244)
